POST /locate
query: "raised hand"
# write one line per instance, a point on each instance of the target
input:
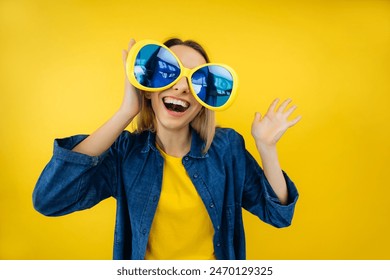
(131, 104)
(269, 129)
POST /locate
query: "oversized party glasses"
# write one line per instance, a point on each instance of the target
(151, 66)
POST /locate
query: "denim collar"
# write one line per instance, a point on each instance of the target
(197, 145)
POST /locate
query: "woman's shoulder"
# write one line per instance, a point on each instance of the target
(227, 134)
(227, 137)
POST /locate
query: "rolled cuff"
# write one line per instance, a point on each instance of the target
(63, 151)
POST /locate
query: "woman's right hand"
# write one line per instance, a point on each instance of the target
(131, 104)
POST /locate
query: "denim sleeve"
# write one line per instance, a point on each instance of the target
(73, 181)
(258, 197)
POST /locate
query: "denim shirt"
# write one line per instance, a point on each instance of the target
(227, 179)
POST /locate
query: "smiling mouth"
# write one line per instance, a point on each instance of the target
(175, 105)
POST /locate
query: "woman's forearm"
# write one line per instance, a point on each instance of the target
(100, 140)
(273, 171)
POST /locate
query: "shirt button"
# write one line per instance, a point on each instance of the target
(218, 227)
(144, 231)
(196, 175)
(218, 244)
(186, 158)
(211, 205)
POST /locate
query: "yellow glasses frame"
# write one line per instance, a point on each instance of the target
(184, 72)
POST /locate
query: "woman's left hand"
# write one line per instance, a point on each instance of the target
(269, 129)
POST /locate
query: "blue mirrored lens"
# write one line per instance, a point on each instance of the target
(213, 84)
(155, 67)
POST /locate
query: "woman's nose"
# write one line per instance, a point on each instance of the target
(181, 86)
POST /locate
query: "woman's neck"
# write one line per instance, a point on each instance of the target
(176, 144)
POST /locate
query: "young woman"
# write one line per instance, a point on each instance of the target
(180, 182)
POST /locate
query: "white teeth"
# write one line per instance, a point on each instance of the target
(171, 100)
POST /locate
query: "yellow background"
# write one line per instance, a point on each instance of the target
(61, 74)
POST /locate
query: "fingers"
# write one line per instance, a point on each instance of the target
(290, 110)
(273, 106)
(283, 106)
(282, 110)
(294, 121)
(124, 56)
(131, 44)
(126, 52)
(257, 117)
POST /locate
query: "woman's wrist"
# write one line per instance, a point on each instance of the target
(125, 115)
(266, 149)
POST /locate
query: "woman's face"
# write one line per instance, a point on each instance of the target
(176, 107)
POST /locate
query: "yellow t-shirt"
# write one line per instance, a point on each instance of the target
(181, 227)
